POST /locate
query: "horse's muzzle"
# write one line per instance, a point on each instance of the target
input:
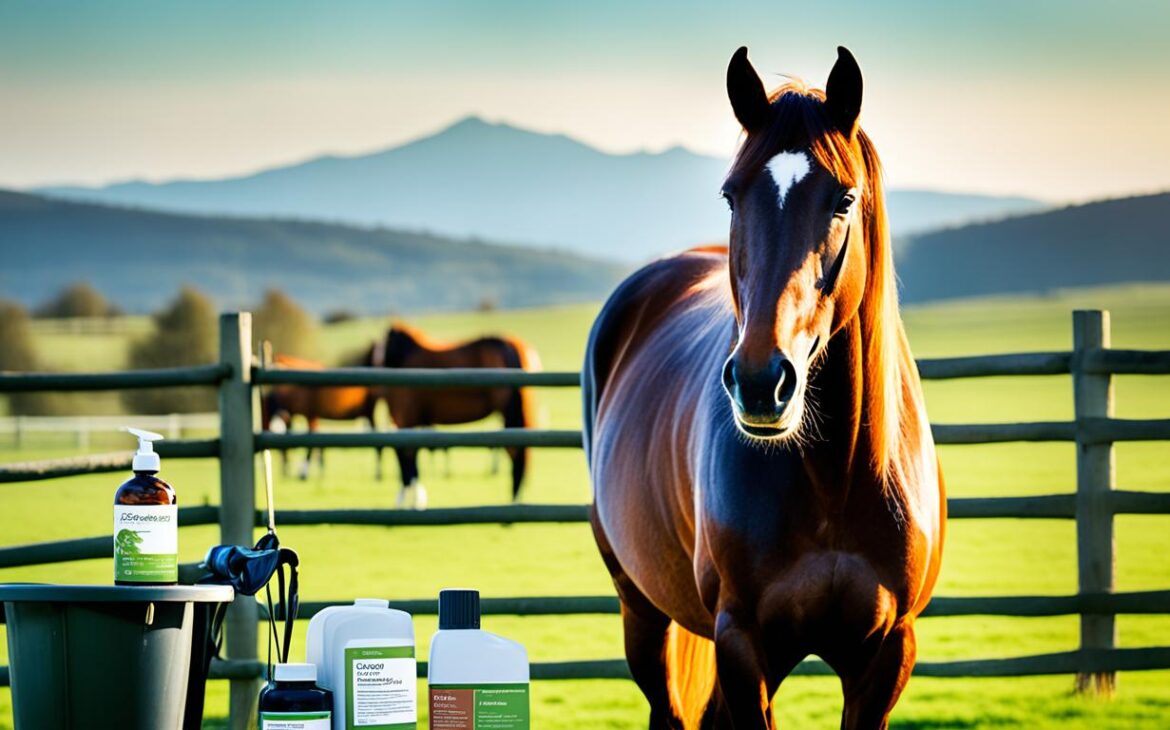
(761, 395)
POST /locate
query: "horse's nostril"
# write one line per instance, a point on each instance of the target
(729, 374)
(785, 380)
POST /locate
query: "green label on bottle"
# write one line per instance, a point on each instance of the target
(479, 707)
(146, 543)
(380, 686)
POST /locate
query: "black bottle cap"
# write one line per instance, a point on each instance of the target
(458, 608)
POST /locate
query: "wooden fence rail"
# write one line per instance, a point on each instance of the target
(1044, 507)
(1067, 662)
(1093, 360)
(1094, 430)
(1087, 430)
(1130, 603)
(27, 471)
(126, 380)
(1114, 660)
(417, 378)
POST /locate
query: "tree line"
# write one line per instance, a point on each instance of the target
(184, 332)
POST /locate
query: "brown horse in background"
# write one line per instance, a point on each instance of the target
(280, 403)
(406, 347)
(765, 481)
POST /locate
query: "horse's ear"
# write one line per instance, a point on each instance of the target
(843, 92)
(749, 101)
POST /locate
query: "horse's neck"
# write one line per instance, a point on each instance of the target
(846, 448)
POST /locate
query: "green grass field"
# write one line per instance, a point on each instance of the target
(982, 557)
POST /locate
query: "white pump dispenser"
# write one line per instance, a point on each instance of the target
(145, 459)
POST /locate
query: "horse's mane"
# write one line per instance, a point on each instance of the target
(800, 121)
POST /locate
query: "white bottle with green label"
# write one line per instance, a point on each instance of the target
(365, 654)
(475, 679)
(146, 522)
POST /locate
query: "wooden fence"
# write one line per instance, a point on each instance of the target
(16, 428)
(1092, 363)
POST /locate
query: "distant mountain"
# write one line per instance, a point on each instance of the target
(1107, 242)
(139, 258)
(914, 212)
(502, 183)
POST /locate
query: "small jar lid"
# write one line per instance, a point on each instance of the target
(295, 673)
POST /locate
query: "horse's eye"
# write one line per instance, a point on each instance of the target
(845, 204)
(727, 199)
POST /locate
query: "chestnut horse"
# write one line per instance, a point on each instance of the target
(280, 403)
(765, 481)
(406, 347)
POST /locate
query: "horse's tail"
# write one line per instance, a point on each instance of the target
(520, 411)
(690, 666)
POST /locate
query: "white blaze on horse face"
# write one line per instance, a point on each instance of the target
(787, 169)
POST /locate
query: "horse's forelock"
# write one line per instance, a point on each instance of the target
(800, 121)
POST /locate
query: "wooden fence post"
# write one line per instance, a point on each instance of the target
(1093, 398)
(237, 498)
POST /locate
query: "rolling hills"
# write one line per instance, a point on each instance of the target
(138, 259)
(503, 183)
(1106, 242)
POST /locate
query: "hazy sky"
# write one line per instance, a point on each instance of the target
(1059, 100)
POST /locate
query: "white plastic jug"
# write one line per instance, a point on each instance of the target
(365, 654)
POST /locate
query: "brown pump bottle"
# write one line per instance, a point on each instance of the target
(146, 522)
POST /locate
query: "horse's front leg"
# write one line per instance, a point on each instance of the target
(872, 687)
(408, 468)
(313, 423)
(372, 427)
(740, 666)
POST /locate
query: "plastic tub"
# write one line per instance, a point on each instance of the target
(107, 656)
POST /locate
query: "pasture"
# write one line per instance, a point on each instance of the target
(984, 557)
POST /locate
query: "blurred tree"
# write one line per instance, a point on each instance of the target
(16, 343)
(78, 300)
(184, 334)
(18, 352)
(281, 321)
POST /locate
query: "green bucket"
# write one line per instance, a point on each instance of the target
(107, 656)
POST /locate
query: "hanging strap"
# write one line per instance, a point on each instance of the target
(223, 569)
(268, 492)
(282, 648)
